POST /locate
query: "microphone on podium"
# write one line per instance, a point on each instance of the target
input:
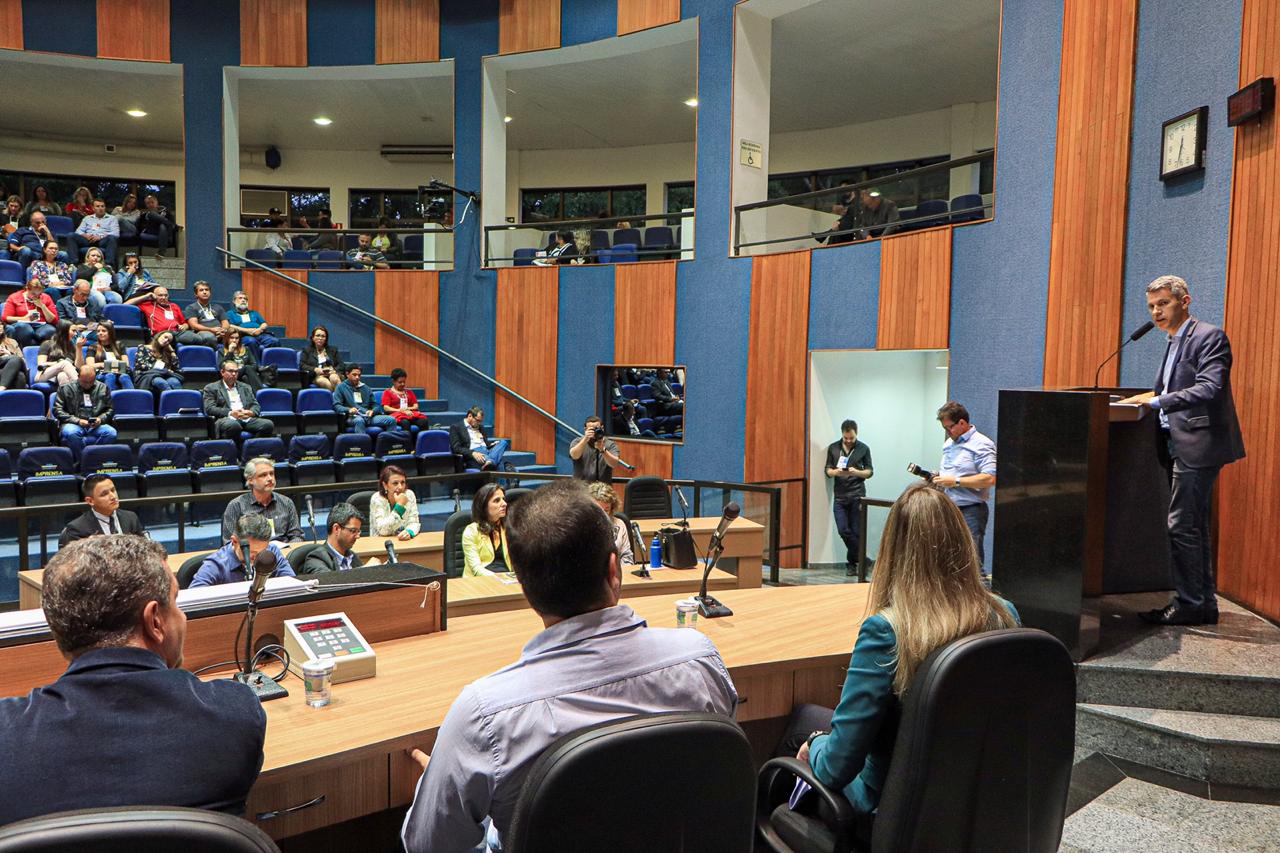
(457, 500)
(708, 606)
(391, 552)
(1137, 333)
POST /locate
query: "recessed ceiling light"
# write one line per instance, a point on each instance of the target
(322, 121)
(136, 113)
(692, 102)
(506, 119)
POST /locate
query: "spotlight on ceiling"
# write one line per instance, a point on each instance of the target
(136, 113)
(322, 121)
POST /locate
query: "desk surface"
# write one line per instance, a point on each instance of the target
(484, 594)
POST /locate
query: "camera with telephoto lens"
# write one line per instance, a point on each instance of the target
(596, 433)
(923, 474)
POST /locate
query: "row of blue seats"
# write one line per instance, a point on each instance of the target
(935, 212)
(50, 475)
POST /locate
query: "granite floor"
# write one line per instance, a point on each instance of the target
(815, 574)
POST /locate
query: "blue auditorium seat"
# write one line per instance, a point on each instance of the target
(315, 411)
(625, 236)
(524, 257)
(60, 226)
(277, 406)
(625, 253)
(330, 259)
(658, 241)
(412, 248)
(8, 486)
(181, 416)
(299, 242)
(286, 363)
(215, 466)
(30, 356)
(11, 271)
(131, 326)
(931, 213)
(296, 259)
(311, 460)
(604, 256)
(114, 460)
(263, 256)
(393, 448)
(354, 457)
(271, 448)
(198, 365)
(599, 239)
(47, 476)
(433, 451)
(967, 208)
(23, 419)
(165, 468)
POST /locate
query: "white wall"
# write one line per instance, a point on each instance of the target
(894, 397)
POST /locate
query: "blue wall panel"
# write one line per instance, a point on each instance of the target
(587, 20)
(349, 332)
(61, 26)
(586, 339)
(340, 32)
(844, 297)
(1186, 59)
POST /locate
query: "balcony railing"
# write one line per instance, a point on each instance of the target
(611, 240)
(428, 248)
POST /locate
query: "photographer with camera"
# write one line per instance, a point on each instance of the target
(594, 455)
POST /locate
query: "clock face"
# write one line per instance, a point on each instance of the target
(1181, 143)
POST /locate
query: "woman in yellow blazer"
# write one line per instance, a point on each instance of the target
(484, 540)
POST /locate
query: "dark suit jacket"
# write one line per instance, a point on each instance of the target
(85, 525)
(322, 560)
(121, 729)
(217, 403)
(1202, 415)
(460, 439)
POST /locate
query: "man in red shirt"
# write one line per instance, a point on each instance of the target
(162, 315)
(401, 403)
(30, 316)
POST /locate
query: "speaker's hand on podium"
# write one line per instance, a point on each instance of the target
(1139, 399)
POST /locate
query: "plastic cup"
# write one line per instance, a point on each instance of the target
(687, 613)
(317, 677)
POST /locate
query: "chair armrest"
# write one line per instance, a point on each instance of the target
(772, 779)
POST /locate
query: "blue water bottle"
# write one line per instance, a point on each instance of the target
(655, 552)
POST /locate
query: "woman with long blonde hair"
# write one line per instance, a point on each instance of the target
(926, 592)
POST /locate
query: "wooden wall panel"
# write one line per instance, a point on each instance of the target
(273, 32)
(650, 459)
(644, 313)
(1250, 489)
(915, 291)
(281, 302)
(777, 368)
(411, 300)
(636, 15)
(133, 29)
(408, 31)
(11, 24)
(525, 357)
(528, 25)
(1090, 191)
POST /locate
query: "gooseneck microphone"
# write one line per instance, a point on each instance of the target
(708, 606)
(457, 500)
(391, 552)
(311, 514)
(257, 571)
(684, 506)
(1137, 333)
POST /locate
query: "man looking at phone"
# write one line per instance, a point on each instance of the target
(594, 455)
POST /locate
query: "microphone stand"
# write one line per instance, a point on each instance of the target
(263, 686)
(707, 605)
(684, 508)
(311, 516)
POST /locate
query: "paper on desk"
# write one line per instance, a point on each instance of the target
(17, 623)
(238, 592)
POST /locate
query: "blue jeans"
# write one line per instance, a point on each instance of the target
(359, 424)
(1190, 544)
(30, 334)
(106, 244)
(77, 437)
(99, 299)
(493, 454)
(165, 383)
(26, 255)
(975, 518)
(261, 342)
(847, 525)
(116, 381)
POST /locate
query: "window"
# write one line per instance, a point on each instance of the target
(906, 193)
(679, 198)
(403, 208)
(548, 205)
(300, 201)
(112, 190)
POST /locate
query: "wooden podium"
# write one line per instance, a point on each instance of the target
(1082, 499)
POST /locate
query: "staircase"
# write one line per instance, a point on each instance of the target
(169, 271)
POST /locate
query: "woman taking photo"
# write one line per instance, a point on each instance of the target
(393, 511)
(926, 592)
(56, 361)
(108, 358)
(235, 350)
(13, 367)
(484, 540)
(132, 280)
(603, 494)
(156, 365)
(321, 362)
(51, 272)
(94, 270)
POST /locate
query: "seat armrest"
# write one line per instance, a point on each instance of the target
(773, 791)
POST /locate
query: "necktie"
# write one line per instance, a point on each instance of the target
(115, 525)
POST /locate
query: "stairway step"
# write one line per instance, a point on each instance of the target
(520, 457)
(1229, 749)
(1209, 692)
(536, 469)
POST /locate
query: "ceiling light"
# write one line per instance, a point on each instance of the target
(692, 102)
(136, 113)
(322, 121)
(506, 119)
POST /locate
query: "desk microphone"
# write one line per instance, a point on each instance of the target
(311, 514)
(258, 570)
(264, 565)
(457, 500)
(391, 551)
(638, 539)
(246, 560)
(684, 506)
(708, 606)
(1137, 333)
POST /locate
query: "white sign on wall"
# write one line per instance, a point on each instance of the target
(751, 154)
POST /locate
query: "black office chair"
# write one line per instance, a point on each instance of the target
(453, 559)
(515, 493)
(691, 775)
(982, 759)
(138, 829)
(187, 571)
(360, 500)
(647, 497)
(298, 555)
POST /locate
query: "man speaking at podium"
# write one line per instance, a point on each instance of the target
(1200, 433)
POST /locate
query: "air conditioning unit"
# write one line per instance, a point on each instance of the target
(417, 153)
(260, 202)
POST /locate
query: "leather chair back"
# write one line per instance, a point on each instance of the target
(360, 500)
(646, 497)
(298, 555)
(453, 559)
(690, 786)
(139, 829)
(187, 571)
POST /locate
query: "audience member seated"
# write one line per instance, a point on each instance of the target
(484, 540)
(50, 269)
(393, 511)
(103, 516)
(607, 498)
(12, 219)
(132, 280)
(80, 206)
(251, 324)
(127, 213)
(335, 555)
(627, 418)
(13, 365)
(233, 406)
(226, 565)
(354, 404)
(83, 411)
(78, 308)
(478, 451)
(99, 229)
(29, 314)
(40, 203)
(155, 367)
(278, 242)
(401, 403)
(595, 662)
(926, 592)
(124, 725)
(206, 321)
(617, 400)
(364, 256)
(27, 244)
(234, 350)
(321, 362)
(564, 251)
(327, 238)
(100, 277)
(261, 499)
(667, 400)
(107, 358)
(162, 315)
(386, 242)
(158, 221)
(56, 358)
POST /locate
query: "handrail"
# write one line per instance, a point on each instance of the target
(592, 223)
(411, 336)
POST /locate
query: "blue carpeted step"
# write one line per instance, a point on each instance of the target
(446, 417)
(432, 405)
(518, 458)
(536, 469)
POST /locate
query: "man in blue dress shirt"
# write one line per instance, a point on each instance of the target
(226, 565)
(968, 471)
(595, 662)
(124, 725)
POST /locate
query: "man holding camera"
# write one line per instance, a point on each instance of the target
(594, 455)
(968, 471)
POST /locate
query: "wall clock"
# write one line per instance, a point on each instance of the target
(1182, 143)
